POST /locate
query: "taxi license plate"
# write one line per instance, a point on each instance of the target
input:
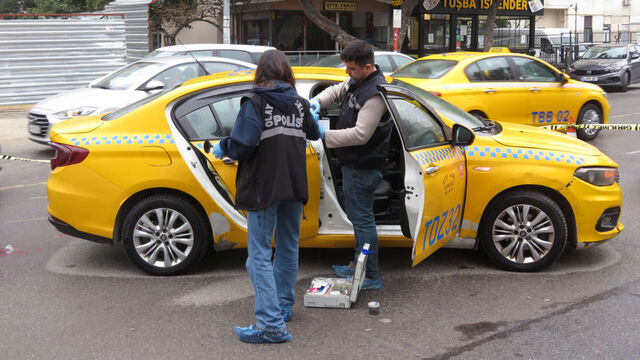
(589, 78)
(34, 129)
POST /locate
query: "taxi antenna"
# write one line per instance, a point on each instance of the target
(194, 58)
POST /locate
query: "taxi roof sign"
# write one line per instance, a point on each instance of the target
(499, 50)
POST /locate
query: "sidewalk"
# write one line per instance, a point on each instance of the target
(13, 122)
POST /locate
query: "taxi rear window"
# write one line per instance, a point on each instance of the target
(426, 69)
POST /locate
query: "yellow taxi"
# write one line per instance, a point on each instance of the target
(143, 176)
(505, 86)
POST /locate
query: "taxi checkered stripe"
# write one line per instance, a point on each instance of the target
(155, 139)
(509, 153)
(147, 139)
(426, 157)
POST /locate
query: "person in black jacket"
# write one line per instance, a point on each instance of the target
(269, 140)
(361, 139)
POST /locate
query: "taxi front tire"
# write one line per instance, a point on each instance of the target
(524, 231)
(165, 235)
(589, 114)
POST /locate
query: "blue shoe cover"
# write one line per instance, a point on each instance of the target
(342, 271)
(287, 312)
(372, 284)
(253, 335)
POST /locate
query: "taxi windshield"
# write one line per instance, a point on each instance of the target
(328, 61)
(425, 69)
(606, 52)
(443, 107)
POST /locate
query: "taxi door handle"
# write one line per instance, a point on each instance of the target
(490, 91)
(431, 169)
(535, 90)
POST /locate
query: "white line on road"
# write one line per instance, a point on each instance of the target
(633, 152)
(24, 220)
(21, 186)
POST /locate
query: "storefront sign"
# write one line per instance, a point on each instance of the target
(481, 7)
(340, 6)
(397, 18)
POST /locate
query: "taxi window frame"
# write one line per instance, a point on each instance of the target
(389, 94)
(205, 97)
(519, 74)
(506, 58)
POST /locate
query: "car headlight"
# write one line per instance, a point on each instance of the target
(69, 113)
(613, 69)
(599, 176)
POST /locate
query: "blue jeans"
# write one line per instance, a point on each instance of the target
(273, 283)
(359, 187)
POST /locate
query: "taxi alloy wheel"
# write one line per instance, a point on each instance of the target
(589, 114)
(165, 235)
(524, 231)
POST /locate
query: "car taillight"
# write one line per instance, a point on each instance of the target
(436, 93)
(67, 155)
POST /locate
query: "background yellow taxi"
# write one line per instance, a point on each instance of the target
(142, 176)
(510, 87)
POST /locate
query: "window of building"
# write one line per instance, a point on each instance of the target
(588, 29)
(436, 33)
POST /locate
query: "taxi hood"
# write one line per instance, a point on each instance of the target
(77, 125)
(532, 137)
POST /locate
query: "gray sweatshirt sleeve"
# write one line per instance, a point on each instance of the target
(368, 120)
(332, 94)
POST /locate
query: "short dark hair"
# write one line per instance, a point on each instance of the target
(358, 51)
(274, 65)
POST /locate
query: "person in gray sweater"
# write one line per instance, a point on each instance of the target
(361, 142)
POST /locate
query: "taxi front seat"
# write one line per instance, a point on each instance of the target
(381, 197)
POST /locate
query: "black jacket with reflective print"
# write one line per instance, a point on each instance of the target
(277, 171)
(371, 155)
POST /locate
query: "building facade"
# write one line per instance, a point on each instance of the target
(595, 21)
(282, 23)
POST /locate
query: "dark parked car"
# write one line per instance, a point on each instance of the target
(609, 65)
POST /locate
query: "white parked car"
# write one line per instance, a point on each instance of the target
(388, 61)
(248, 53)
(123, 87)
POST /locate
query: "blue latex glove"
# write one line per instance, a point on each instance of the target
(322, 130)
(315, 105)
(217, 151)
(316, 116)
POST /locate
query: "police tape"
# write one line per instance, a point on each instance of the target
(631, 127)
(15, 158)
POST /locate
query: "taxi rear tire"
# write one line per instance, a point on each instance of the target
(524, 231)
(165, 235)
(589, 114)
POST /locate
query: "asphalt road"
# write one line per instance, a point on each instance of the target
(65, 298)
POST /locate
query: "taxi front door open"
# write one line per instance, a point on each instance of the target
(434, 173)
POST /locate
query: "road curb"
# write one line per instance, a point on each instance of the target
(15, 108)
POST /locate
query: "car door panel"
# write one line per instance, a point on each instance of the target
(548, 101)
(494, 81)
(435, 176)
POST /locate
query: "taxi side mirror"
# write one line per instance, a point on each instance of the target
(563, 78)
(462, 136)
(153, 85)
